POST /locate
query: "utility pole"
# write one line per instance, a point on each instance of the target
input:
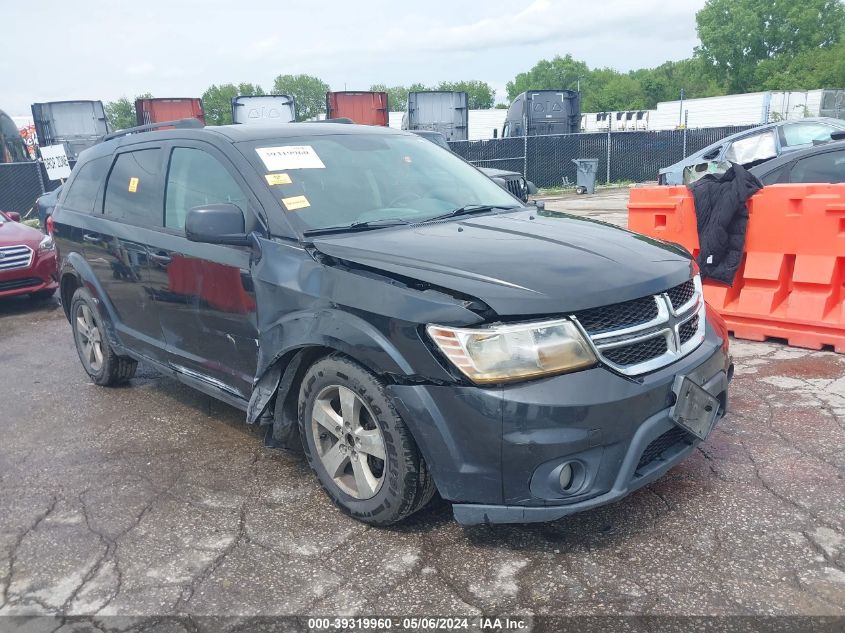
(681, 111)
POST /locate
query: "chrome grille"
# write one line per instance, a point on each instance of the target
(681, 294)
(14, 257)
(642, 335)
(618, 315)
(635, 353)
(688, 329)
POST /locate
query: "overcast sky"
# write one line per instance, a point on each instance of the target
(55, 50)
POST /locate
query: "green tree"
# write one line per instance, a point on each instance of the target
(737, 36)
(397, 96)
(480, 94)
(120, 114)
(308, 92)
(558, 73)
(217, 101)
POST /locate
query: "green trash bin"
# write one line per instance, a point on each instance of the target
(585, 181)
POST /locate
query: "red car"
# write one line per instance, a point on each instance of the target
(28, 262)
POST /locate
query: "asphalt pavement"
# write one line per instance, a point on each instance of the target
(153, 499)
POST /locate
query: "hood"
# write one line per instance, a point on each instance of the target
(498, 173)
(13, 233)
(551, 264)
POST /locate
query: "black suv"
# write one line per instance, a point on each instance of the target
(375, 299)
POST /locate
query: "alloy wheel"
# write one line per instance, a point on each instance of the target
(349, 442)
(89, 339)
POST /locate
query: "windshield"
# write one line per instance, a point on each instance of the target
(339, 180)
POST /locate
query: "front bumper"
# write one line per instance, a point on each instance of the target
(496, 453)
(41, 274)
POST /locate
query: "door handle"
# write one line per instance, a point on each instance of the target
(159, 258)
(91, 237)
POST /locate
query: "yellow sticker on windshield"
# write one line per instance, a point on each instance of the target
(133, 185)
(277, 179)
(296, 202)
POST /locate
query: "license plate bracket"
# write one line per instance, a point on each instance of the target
(695, 409)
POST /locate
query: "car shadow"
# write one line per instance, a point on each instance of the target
(11, 306)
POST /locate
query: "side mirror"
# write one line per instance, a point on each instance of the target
(216, 224)
(14, 216)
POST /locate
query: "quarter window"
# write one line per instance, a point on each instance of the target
(133, 192)
(85, 185)
(196, 178)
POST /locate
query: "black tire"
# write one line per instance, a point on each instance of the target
(112, 370)
(406, 483)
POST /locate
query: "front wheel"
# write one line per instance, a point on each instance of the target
(98, 358)
(363, 454)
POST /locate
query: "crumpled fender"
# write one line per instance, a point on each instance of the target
(304, 303)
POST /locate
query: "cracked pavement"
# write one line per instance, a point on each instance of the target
(154, 499)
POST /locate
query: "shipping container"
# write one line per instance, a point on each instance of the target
(544, 112)
(440, 111)
(157, 110)
(75, 124)
(366, 108)
(263, 109)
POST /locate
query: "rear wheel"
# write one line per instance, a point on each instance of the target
(98, 358)
(363, 454)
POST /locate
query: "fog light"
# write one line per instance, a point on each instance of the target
(566, 476)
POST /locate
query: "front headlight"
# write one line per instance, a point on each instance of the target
(505, 353)
(46, 244)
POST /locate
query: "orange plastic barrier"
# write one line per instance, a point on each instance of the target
(791, 283)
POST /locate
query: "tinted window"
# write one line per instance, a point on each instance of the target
(805, 133)
(196, 178)
(335, 180)
(827, 167)
(772, 177)
(86, 185)
(133, 192)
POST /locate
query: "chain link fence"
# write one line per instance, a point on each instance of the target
(623, 156)
(21, 184)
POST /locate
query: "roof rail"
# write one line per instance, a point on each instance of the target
(341, 119)
(181, 123)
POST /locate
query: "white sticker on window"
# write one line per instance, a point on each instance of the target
(289, 157)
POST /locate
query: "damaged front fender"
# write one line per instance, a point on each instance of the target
(373, 318)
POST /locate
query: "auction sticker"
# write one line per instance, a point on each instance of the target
(296, 202)
(277, 179)
(133, 185)
(289, 157)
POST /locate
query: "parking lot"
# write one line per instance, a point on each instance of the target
(154, 499)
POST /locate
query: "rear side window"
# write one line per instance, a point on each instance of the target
(83, 190)
(133, 192)
(196, 178)
(827, 167)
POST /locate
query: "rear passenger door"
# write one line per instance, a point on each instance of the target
(115, 246)
(204, 292)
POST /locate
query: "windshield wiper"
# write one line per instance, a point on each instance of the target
(468, 210)
(357, 226)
